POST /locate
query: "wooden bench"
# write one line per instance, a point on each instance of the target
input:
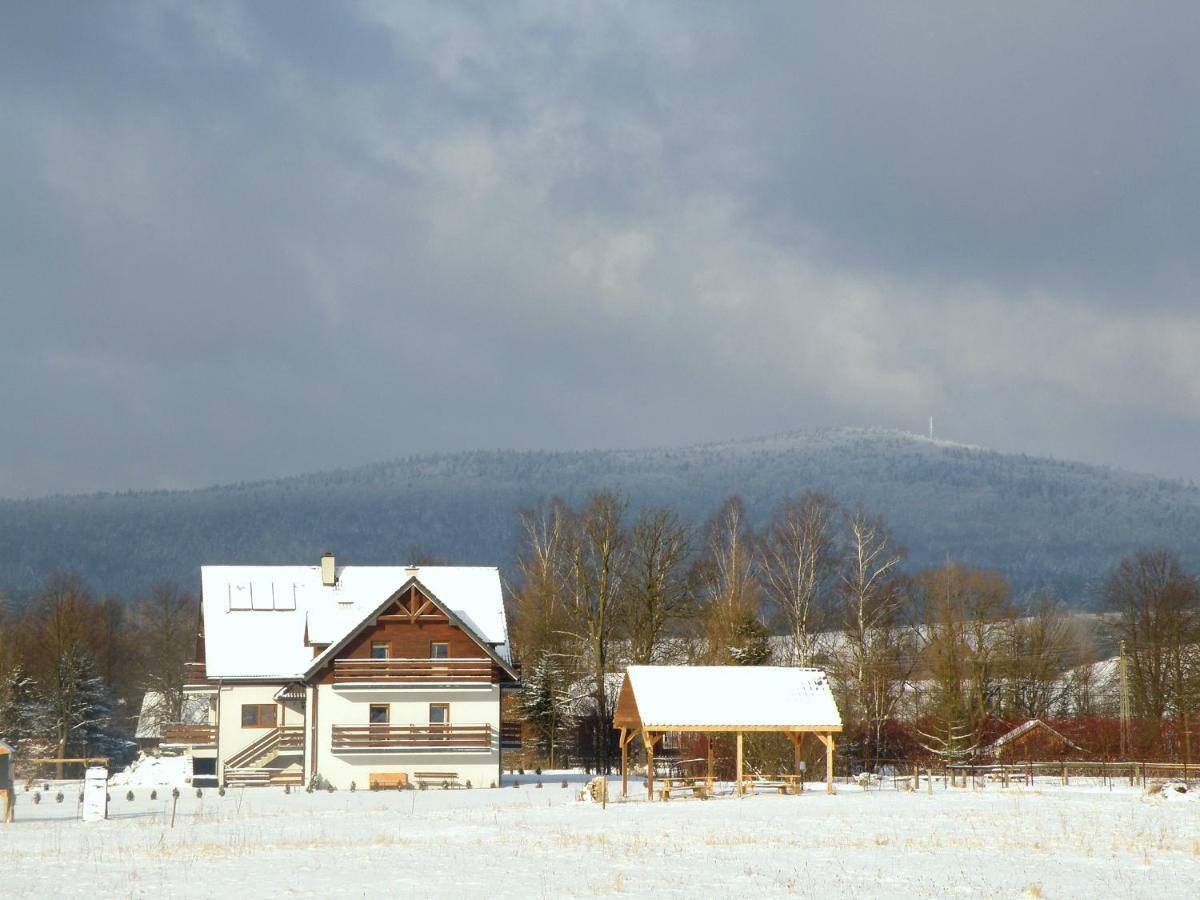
(382, 781)
(446, 779)
(700, 787)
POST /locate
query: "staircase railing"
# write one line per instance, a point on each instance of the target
(290, 737)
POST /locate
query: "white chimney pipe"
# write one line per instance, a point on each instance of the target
(328, 570)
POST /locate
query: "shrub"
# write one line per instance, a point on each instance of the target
(468, 784)
(154, 795)
(537, 771)
(353, 787)
(445, 785)
(330, 788)
(493, 785)
(422, 785)
(58, 798)
(520, 770)
(199, 792)
(37, 798)
(129, 796)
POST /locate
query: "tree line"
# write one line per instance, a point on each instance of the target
(74, 667)
(922, 662)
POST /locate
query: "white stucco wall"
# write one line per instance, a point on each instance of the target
(409, 706)
(231, 736)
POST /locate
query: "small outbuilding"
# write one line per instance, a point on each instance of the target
(659, 700)
(1032, 739)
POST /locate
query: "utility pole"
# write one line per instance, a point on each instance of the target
(1124, 703)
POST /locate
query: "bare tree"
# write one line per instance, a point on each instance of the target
(1041, 650)
(875, 655)
(541, 597)
(657, 590)
(167, 625)
(799, 563)
(597, 558)
(727, 579)
(1157, 606)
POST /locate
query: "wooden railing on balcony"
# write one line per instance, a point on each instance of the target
(189, 734)
(452, 671)
(510, 735)
(412, 737)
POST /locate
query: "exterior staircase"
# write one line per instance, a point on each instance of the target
(252, 765)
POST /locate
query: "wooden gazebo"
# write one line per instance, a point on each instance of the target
(657, 700)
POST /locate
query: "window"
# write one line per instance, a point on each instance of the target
(439, 651)
(380, 650)
(380, 713)
(439, 713)
(258, 715)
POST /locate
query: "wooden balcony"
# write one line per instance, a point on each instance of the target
(187, 734)
(412, 737)
(428, 671)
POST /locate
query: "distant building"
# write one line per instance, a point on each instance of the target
(354, 673)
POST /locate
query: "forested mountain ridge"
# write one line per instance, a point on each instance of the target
(1042, 522)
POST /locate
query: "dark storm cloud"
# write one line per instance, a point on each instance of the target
(241, 240)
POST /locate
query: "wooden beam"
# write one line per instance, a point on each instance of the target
(830, 745)
(624, 764)
(798, 740)
(648, 740)
(739, 764)
(710, 760)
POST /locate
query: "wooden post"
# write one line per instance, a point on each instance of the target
(739, 764)
(648, 740)
(624, 764)
(829, 748)
(710, 761)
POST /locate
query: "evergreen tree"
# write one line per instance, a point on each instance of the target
(546, 702)
(20, 708)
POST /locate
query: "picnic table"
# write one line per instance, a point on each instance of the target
(700, 786)
(785, 784)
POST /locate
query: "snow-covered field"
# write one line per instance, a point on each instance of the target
(1048, 841)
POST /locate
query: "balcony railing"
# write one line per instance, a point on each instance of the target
(441, 671)
(188, 734)
(412, 737)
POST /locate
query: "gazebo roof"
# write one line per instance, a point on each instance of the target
(726, 698)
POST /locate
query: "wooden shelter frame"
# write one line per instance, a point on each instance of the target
(629, 723)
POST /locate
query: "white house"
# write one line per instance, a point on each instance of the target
(353, 673)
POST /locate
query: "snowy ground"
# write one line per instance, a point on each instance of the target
(1048, 841)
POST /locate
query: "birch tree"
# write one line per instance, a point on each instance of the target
(875, 656)
(798, 565)
(727, 578)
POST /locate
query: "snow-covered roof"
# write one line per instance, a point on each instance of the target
(729, 697)
(256, 617)
(1023, 729)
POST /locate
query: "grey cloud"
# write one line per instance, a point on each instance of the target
(445, 226)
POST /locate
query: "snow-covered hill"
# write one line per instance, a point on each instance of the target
(1041, 521)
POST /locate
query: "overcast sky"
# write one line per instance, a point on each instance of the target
(240, 241)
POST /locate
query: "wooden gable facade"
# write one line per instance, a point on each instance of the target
(409, 627)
